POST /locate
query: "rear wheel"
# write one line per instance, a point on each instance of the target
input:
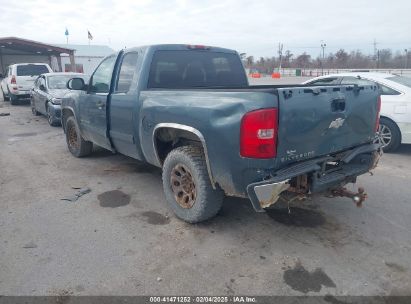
(33, 108)
(13, 99)
(389, 135)
(187, 185)
(75, 143)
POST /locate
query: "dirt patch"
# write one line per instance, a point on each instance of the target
(298, 217)
(333, 300)
(25, 134)
(155, 218)
(298, 278)
(133, 168)
(396, 267)
(113, 199)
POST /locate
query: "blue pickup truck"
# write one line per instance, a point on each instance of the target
(190, 110)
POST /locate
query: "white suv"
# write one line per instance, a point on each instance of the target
(20, 79)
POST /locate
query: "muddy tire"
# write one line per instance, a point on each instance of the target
(187, 185)
(75, 143)
(33, 108)
(390, 135)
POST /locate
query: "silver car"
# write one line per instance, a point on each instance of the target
(46, 95)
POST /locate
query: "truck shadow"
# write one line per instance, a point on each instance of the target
(302, 224)
(404, 149)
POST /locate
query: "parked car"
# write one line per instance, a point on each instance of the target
(20, 78)
(47, 93)
(395, 121)
(190, 110)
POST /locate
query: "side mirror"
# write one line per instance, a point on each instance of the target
(76, 84)
(43, 88)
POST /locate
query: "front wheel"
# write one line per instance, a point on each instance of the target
(51, 119)
(75, 143)
(187, 185)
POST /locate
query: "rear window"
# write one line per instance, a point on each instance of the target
(401, 80)
(196, 69)
(324, 81)
(31, 69)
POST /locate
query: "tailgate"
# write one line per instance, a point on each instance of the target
(316, 121)
(25, 83)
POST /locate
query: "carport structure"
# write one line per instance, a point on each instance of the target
(17, 50)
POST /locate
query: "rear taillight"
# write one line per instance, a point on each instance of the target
(377, 120)
(13, 80)
(258, 135)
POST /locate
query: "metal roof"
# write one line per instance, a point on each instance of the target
(89, 50)
(13, 45)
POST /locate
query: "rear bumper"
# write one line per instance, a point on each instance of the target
(20, 94)
(351, 164)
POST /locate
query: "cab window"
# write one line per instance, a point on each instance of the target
(101, 79)
(126, 75)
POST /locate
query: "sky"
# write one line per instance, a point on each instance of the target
(255, 27)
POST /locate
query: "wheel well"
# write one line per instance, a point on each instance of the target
(65, 113)
(387, 118)
(167, 139)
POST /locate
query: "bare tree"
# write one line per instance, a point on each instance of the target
(338, 60)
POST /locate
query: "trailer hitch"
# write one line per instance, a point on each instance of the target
(358, 197)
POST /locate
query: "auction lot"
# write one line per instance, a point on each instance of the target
(122, 239)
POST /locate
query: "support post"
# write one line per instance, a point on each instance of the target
(72, 62)
(59, 62)
(1, 64)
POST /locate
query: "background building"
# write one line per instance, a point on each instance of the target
(18, 50)
(60, 57)
(87, 57)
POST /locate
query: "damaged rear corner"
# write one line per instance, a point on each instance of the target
(327, 175)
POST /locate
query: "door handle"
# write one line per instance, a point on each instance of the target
(338, 104)
(100, 105)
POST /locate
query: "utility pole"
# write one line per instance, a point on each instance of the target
(323, 45)
(376, 53)
(378, 59)
(280, 54)
(406, 58)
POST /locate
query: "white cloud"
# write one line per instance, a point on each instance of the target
(254, 27)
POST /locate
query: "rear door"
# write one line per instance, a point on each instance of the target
(315, 121)
(125, 108)
(93, 105)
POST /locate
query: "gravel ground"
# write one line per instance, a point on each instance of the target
(122, 239)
